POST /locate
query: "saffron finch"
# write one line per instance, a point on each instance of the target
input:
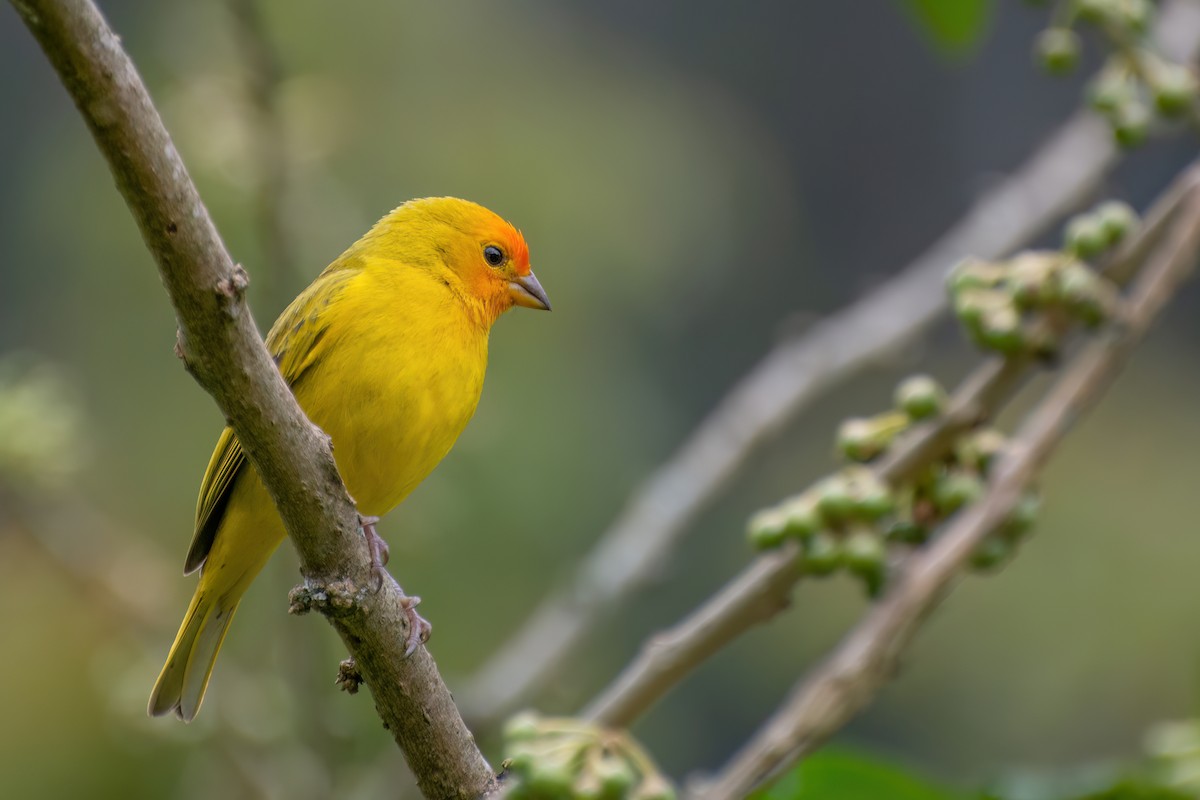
(386, 352)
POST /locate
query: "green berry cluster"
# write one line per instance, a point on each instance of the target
(1093, 233)
(849, 519)
(955, 483)
(1132, 86)
(916, 398)
(1004, 306)
(836, 521)
(549, 758)
(1136, 82)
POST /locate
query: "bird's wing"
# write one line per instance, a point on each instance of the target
(295, 342)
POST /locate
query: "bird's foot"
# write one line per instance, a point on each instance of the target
(377, 548)
(418, 627)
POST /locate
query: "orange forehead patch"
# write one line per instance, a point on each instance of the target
(519, 251)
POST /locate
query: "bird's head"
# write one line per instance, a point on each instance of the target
(479, 255)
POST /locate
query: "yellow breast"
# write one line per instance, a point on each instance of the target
(398, 381)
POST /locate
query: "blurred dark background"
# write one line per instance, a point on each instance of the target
(695, 179)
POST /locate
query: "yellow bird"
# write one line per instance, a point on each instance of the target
(386, 352)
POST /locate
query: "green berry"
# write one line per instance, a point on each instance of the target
(1118, 220)
(522, 727)
(1174, 89)
(1112, 88)
(1022, 517)
(615, 775)
(1086, 295)
(991, 553)
(1000, 329)
(1135, 14)
(1085, 236)
(767, 529)
(521, 756)
(972, 305)
(873, 502)
(517, 790)
(835, 499)
(920, 397)
(587, 787)
(1096, 10)
(822, 554)
(859, 439)
(974, 273)
(1029, 278)
(870, 497)
(863, 550)
(551, 780)
(1076, 280)
(866, 556)
(953, 490)
(978, 450)
(1057, 50)
(1131, 124)
(801, 516)
(555, 770)
(905, 531)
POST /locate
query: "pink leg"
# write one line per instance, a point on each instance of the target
(418, 627)
(376, 546)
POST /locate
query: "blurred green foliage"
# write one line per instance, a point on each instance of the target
(954, 26)
(836, 774)
(41, 431)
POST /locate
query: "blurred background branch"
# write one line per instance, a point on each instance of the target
(263, 73)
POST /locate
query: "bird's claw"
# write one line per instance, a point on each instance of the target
(377, 548)
(418, 627)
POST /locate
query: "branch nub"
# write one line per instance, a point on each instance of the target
(234, 284)
(331, 599)
(348, 679)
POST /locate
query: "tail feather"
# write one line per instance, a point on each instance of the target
(181, 684)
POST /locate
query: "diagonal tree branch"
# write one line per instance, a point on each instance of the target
(224, 352)
(869, 656)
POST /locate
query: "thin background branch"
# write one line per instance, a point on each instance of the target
(264, 73)
(224, 352)
(1057, 179)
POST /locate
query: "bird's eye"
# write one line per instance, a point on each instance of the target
(493, 255)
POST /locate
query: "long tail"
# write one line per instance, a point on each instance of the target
(181, 684)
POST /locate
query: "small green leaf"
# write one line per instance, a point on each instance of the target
(845, 775)
(955, 26)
